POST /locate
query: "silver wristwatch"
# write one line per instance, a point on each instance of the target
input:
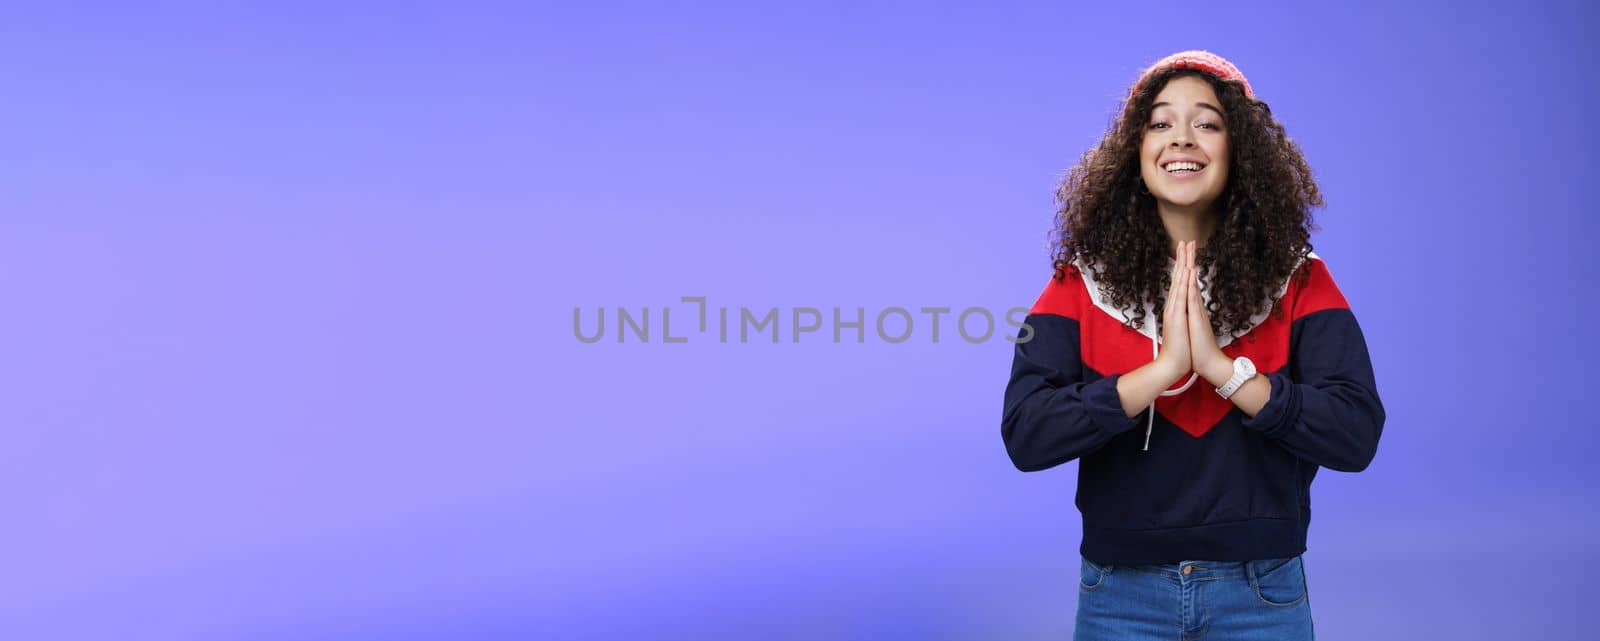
(1243, 370)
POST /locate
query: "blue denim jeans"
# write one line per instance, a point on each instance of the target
(1225, 600)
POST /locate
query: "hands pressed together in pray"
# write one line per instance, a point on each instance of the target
(1187, 345)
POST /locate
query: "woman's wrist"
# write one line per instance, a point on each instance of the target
(1172, 372)
(1217, 372)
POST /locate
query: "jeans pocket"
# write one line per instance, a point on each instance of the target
(1279, 582)
(1092, 575)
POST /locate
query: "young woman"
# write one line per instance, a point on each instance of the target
(1186, 300)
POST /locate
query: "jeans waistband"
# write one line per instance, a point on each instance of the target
(1190, 571)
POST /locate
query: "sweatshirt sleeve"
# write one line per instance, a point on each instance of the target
(1324, 406)
(1056, 409)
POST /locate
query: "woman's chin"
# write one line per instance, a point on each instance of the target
(1186, 202)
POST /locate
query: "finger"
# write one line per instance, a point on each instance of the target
(1175, 287)
(1194, 304)
(1195, 298)
(1198, 303)
(1202, 317)
(1172, 297)
(1194, 289)
(1168, 302)
(1184, 292)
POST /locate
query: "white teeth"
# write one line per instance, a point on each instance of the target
(1182, 165)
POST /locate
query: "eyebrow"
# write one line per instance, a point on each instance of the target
(1207, 105)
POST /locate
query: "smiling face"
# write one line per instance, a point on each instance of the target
(1185, 125)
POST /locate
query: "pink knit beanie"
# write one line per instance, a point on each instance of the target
(1196, 59)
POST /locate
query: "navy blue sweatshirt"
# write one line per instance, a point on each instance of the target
(1202, 480)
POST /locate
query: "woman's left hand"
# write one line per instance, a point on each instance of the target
(1207, 356)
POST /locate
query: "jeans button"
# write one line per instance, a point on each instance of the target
(1187, 568)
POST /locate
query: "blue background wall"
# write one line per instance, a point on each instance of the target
(288, 346)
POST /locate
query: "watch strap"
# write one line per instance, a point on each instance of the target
(1234, 382)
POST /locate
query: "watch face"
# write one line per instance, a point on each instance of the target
(1246, 366)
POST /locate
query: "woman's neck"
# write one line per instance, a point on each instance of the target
(1184, 226)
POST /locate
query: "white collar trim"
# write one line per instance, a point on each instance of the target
(1149, 327)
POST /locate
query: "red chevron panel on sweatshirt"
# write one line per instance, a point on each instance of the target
(1110, 347)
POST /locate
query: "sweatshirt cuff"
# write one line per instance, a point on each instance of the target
(1105, 406)
(1275, 417)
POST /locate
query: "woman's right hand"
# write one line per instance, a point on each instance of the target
(1173, 354)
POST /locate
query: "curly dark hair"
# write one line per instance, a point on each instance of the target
(1264, 226)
